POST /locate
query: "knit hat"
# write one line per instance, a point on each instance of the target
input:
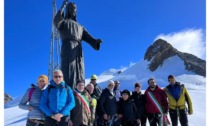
(137, 85)
(126, 92)
(44, 77)
(93, 77)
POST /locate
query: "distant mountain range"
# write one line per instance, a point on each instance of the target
(160, 60)
(162, 50)
(7, 98)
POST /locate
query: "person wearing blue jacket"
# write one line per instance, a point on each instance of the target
(57, 101)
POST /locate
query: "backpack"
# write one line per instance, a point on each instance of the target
(66, 87)
(49, 88)
(31, 91)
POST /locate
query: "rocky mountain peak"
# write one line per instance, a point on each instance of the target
(7, 98)
(161, 50)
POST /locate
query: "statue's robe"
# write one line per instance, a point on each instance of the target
(72, 61)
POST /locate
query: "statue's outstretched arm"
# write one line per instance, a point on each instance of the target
(65, 2)
(59, 16)
(95, 43)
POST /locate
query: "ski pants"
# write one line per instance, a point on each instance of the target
(179, 113)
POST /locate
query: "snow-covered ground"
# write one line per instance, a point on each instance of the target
(13, 116)
(138, 72)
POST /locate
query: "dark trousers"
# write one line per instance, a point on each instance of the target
(51, 122)
(102, 122)
(128, 123)
(181, 114)
(78, 124)
(153, 119)
(30, 123)
(143, 121)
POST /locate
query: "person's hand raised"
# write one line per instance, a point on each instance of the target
(99, 40)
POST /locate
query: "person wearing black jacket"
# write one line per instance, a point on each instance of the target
(139, 101)
(97, 89)
(108, 104)
(96, 94)
(127, 110)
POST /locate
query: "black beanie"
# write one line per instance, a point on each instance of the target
(126, 91)
(171, 76)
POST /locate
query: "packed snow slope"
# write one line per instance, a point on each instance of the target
(139, 72)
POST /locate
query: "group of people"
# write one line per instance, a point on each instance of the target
(56, 104)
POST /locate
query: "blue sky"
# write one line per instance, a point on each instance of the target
(127, 28)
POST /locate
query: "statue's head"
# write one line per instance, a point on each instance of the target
(71, 10)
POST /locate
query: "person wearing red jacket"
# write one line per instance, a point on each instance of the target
(156, 104)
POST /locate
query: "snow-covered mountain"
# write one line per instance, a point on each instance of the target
(161, 50)
(7, 98)
(161, 60)
(175, 64)
(140, 73)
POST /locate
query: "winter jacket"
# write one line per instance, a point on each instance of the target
(97, 91)
(79, 115)
(139, 100)
(118, 94)
(107, 103)
(127, 109)
(93, 104)
(56, 100)
(182, 95)
(36, 113)
(161, 97)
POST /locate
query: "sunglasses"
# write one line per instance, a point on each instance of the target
(58, 76)
(111, 85)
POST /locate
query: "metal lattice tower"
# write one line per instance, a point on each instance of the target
(55, 46)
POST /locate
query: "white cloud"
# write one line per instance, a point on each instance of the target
(190, 40)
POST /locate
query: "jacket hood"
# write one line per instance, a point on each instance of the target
(54, 84)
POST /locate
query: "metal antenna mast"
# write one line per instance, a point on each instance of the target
(55, 46)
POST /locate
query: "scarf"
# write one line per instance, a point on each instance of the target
(163, 121)
(83, 100)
